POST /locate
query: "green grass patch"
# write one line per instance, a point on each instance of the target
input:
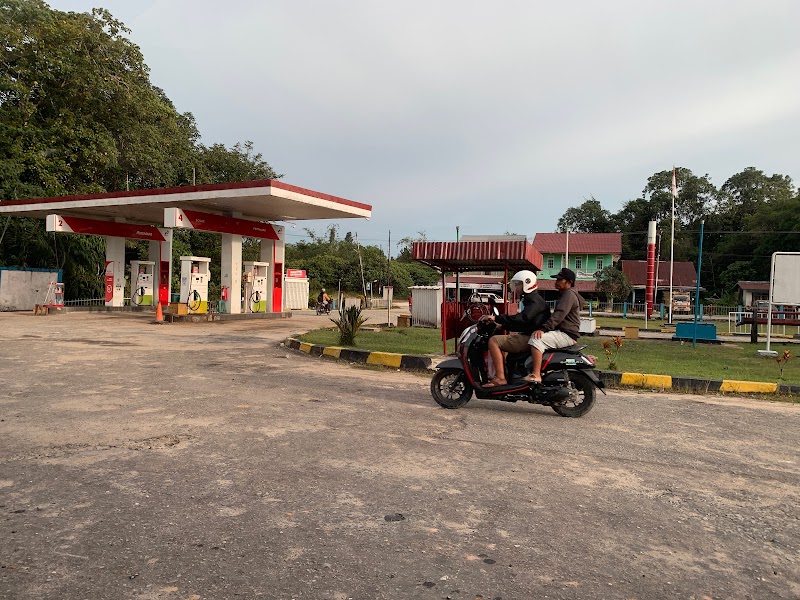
(706, 361)
(402, 340)
(658, 357)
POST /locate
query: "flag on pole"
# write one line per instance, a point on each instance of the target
(674, 184)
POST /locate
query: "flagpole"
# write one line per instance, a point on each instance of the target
(672, 243)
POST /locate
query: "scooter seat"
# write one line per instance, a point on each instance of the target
(574, 349)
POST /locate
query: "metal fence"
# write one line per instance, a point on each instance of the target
(735, 324)
(660, 310)
(86, 302)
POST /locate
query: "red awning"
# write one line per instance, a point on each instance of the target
(478, 255)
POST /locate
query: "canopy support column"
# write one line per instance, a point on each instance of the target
(231, 274)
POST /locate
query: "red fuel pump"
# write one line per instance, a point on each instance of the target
(163, 282)
(109, 281)
(277, 288)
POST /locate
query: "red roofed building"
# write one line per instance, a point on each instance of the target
(584, 253)
(684, 278)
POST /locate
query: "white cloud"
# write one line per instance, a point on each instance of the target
(435, 109)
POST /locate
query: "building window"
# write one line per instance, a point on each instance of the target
(551, 263)
(578, 263)
(599, 263)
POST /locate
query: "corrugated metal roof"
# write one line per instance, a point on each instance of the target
(579, 243)
(683, 273)
(477, 256)
(758, 286)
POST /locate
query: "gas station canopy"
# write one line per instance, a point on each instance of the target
(263, 200)
(478, 255)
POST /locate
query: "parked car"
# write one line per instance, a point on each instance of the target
(681, 302)
(484, 297)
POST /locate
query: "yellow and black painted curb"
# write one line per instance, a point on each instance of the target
(693, 384)
(409, 362)
(610, 378)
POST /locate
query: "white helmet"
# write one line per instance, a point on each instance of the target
(527, 279)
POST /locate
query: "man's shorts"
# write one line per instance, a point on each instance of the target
(550, 340)
(513, 342)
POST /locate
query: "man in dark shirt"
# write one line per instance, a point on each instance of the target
(532, 312)
(562, 329)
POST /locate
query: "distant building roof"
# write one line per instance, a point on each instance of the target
(683, 273)
(757, 286)
(579, 243)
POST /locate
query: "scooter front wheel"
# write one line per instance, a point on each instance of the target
(450, 388)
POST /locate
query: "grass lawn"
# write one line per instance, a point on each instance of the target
(660, 357)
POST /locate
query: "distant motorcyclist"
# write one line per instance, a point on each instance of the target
(532, 312)
(323, 303)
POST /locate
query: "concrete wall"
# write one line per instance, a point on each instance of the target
(20, 289)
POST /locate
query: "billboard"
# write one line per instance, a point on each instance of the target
(785, 282)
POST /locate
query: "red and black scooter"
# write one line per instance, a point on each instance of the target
(569, 378)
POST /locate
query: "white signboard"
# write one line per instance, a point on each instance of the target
(785, 284)
(784, 288)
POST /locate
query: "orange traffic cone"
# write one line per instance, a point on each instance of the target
(159, 314)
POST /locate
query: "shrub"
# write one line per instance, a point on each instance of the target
(349, 322)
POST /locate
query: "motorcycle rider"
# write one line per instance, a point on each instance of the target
(562, 329)
(532, 312)
(323, 299)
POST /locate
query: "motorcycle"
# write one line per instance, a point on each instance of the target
(323, 308)
(569, 379)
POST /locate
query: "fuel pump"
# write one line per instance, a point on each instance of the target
(142, 282)
(194, 285)
(255, 286)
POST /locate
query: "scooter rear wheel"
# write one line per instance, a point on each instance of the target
(581, 398)
(450, 388)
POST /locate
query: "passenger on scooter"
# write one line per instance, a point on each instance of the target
(562, 329)
(532, 312)
(323, 299)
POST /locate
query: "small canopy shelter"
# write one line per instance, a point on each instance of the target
(502, 255)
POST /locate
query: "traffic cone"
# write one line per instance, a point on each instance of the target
(159, 314)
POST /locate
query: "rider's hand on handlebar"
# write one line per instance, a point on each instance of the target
(487, 318)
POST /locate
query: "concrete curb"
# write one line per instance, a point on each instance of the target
(412, 362)
(696, 385)
(406, 362)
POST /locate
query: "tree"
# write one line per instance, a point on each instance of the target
(79, 114)
(613, 283)
(589, 217)
(218, 164)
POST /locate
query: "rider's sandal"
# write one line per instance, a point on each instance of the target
(494, 383)
(531, 379)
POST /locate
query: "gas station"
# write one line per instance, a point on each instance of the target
(234, 210)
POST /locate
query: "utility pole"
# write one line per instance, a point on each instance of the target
(361, 265)
(389, 280)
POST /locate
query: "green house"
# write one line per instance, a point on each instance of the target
(584, 253)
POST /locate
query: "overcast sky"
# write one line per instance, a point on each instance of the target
(494, 116)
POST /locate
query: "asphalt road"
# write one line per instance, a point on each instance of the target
(205, 461)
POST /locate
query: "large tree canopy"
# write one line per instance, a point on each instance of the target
(79, 114)
(751, 216)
